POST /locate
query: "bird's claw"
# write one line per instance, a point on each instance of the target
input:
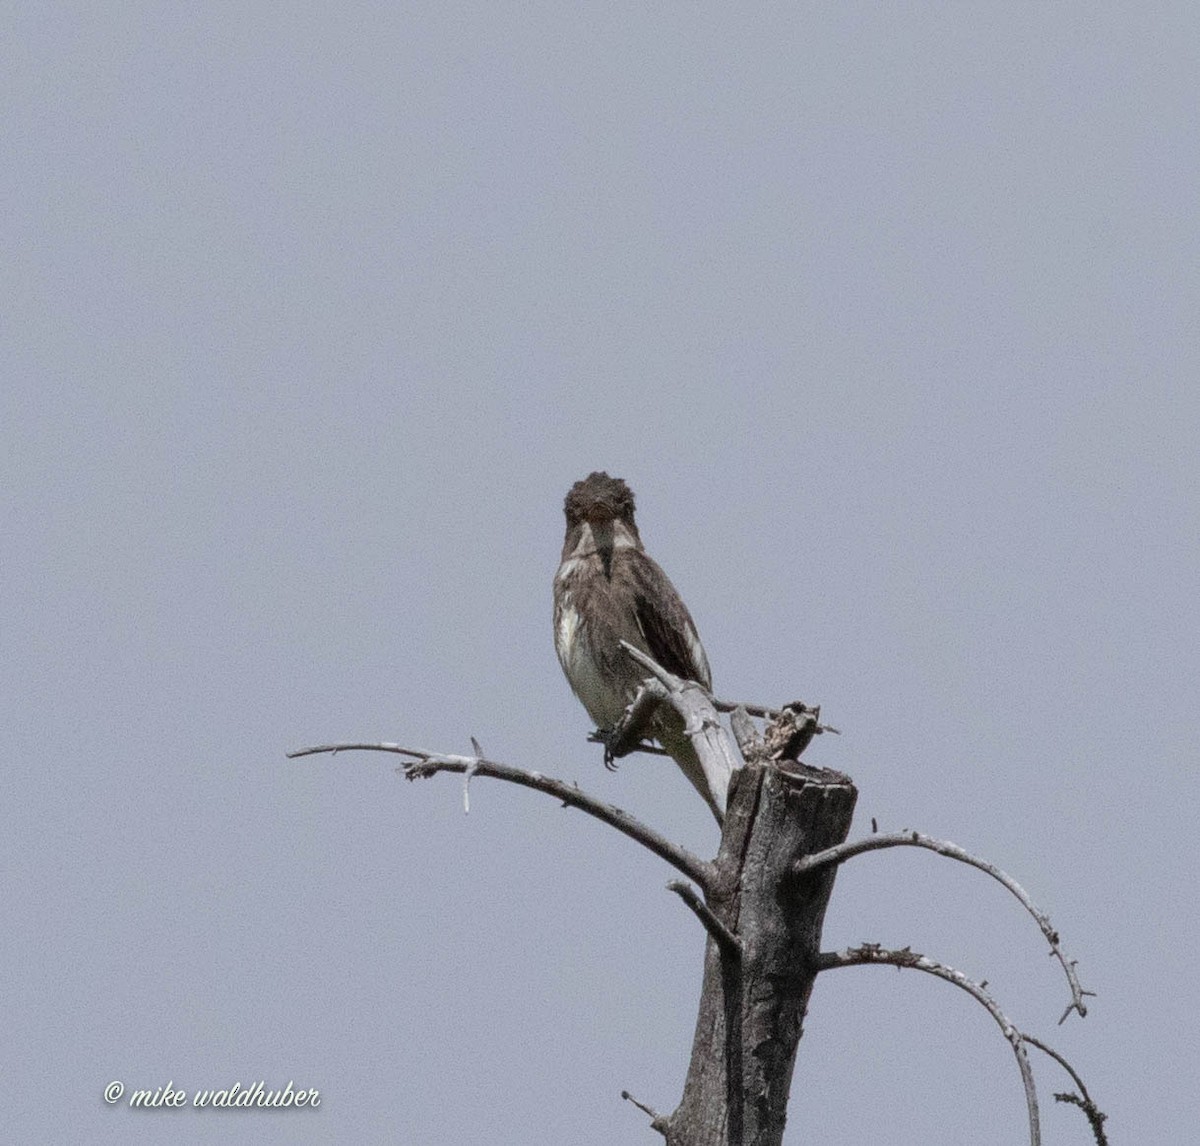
(610, 760)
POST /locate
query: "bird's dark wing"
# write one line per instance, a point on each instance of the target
(671, 637)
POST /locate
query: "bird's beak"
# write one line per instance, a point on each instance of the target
(604, 538)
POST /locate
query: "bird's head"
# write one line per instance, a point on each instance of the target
(599, 512)
(599, 499)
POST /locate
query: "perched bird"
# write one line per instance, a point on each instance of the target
(608, 589)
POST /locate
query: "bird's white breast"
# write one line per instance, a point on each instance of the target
(579, 666)
(566, 632)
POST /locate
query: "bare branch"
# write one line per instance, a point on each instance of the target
(334, 749)
(710, 742)
(430, 763)
(657, 1121)
(722, 936)
(1095, 1116)
(764, 713)
(873, 953)
(843, 852)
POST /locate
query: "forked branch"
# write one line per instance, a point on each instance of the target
(1095, 1116)
(873, 953)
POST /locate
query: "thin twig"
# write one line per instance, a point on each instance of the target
(764, 713)
(1095, 1116)
(873, 953)
(843, 852)
(657, 1121)
(724, 938)
(471, 770)
(430, 763)
(759, 710)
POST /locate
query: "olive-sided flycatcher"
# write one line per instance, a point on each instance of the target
(608, 589)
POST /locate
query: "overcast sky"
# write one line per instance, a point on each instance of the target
(311, 316)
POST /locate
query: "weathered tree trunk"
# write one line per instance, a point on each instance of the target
(753, 1003)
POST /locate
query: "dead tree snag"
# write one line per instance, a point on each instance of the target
(762, 903)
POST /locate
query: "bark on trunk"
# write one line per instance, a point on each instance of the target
(753, 1005)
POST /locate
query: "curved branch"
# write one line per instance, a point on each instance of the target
(873, 953)
(430, 763)
(1095, 1116)
(842, 852)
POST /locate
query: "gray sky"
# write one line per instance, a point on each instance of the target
(311, 316)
